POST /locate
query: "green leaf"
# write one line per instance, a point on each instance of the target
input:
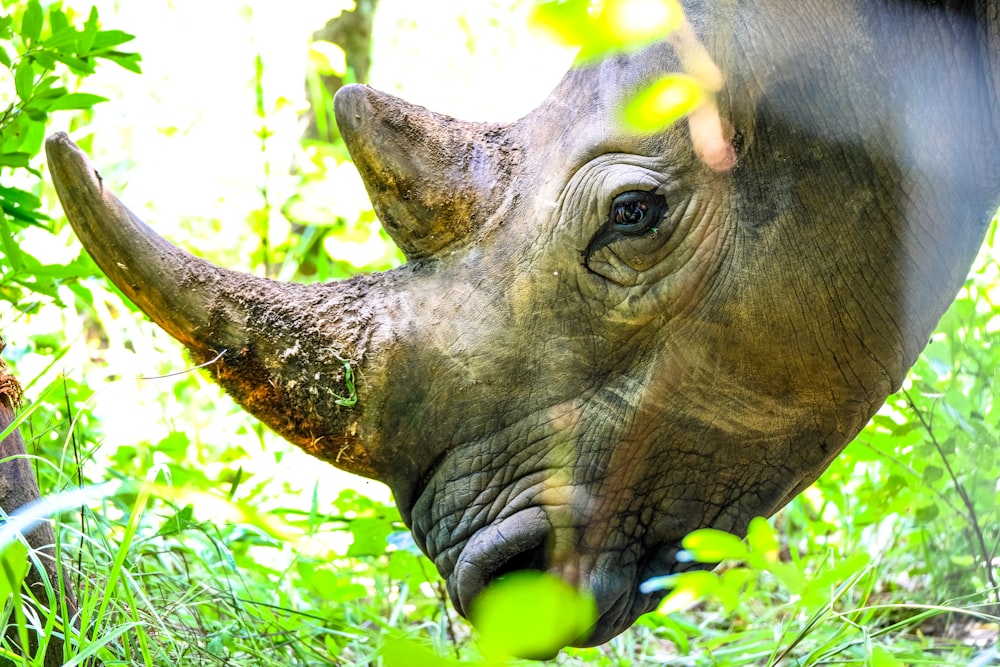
(88, 35)
(6, 27)
(708, 545)
(177, 523)
(932, 474)
(76, 65)
(609, 26)
(371, 536)
(10, 246)
(47, 59)
(31, 22)
(24, 80)
(13, 567)
(63, 38)
(927, 513)
(4, 57)
(881, 657)
(105, 39)
(568, 21)
(531, 614)
(129, 61)
(75, 101)
(401, 652)
(763, 539)
(16, 160)
(20, 197)
(688, 588)
(57, 20)
(663, 102)
(25, 215)
(328, 58)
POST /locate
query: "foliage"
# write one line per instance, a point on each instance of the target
(615, 26)
(600, 28)
(40, 52)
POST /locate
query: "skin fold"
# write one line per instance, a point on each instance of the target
(530, 409)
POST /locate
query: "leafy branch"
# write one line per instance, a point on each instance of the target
(980, 542)
(47, 49)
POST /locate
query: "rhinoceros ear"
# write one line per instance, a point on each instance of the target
(432, 179)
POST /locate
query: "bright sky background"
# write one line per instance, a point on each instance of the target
(179, 140)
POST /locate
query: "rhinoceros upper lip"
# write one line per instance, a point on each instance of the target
(490, 549)
(501, 547)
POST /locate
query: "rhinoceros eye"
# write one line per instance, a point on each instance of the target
(632, 213)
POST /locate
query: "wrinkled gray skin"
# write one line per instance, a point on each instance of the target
(529, 413)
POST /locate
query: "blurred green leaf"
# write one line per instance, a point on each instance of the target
(106, 39)
(13, 567)
(881, 657)
(14, 159)
(600, 28)
(688, 588)
(709, 545)
(178, 523)
(663, 102)
(58, 21)
(328, 58)
(67, 36)
(129, 61)
(402, 652)
(531, 614)
(370, 536)
(31, 22)
(85, 42)
(24, 79)
(10, 248)
(75, 101)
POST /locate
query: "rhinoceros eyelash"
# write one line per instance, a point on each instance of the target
(651, 208)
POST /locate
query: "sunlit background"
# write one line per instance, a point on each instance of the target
(180, 145)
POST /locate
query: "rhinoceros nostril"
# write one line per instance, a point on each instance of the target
(534, 558)
(516, 543)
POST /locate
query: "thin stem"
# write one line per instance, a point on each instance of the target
(966, 500)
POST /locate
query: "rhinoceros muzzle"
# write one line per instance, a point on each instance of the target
(522, 542)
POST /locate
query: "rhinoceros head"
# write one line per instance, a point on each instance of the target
(600, 342)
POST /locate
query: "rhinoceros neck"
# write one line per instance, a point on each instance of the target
(864, 183)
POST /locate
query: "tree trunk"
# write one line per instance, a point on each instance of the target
(351, 31)
(18, 487)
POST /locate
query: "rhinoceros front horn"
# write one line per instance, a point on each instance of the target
(176, 289)
(304, 359)
(430, 177)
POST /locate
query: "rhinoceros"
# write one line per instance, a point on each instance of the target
(602, 340)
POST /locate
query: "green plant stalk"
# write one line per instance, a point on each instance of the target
(119, 560)
(851, 619)
(973, 518)
(95, 647)
(139, 625)
(821, 614)
(263, 134)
